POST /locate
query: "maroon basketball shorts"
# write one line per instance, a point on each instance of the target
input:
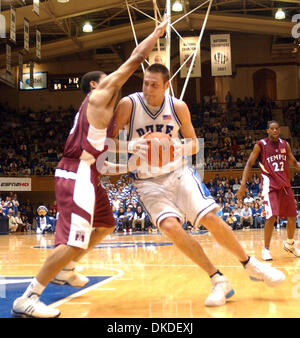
(280, 203)
(82, 206)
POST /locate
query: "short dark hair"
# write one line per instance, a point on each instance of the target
(87, 78)
(159, 68)
(272, 121)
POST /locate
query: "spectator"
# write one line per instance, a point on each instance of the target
(237, 215)
(220, 212)
(258, 198)
(239, 164)
(246, 217)
(21, 225)
(236, 186)
(298, 218)
(248, 199)
(139, 219)
(53, 208)
(4, 208)
(226, 211)
(3, 218)
(254, 188)
(127, 220)
(115, 214)
(116, 202)
(120, 219)
(258, 219)
(12, 224)
(228, 100)
(27, 225)
(231, 220)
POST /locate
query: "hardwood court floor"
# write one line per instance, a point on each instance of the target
(147, 277)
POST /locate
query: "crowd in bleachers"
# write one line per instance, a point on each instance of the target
(32, 144)
(226, 129)
(128, 211)
(20, 215)
(23, 216)
(291, 115)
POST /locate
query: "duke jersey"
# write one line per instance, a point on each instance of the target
(143, 120)
(274, 163)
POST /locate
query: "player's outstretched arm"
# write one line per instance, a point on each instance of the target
(139, 54)
(103, 98)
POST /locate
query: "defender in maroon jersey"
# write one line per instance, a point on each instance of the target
(275, 156)
(85, 216)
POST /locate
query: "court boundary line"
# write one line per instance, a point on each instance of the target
(120, 273)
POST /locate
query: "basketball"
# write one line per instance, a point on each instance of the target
(163, 154)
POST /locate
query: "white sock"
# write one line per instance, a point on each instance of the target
(290, 241)
(34, 288)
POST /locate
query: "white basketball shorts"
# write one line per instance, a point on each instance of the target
(178, 194)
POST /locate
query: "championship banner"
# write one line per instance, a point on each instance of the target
(38, 44)
(8, 59)
(220, 47)
(2, 24)
(13, 25)
(15, 184)
(36, 7)
(187, 48)
(26, 34)
(158, 53)
(20, 67)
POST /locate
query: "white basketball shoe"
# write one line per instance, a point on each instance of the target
(266, 255)
(264, 272)
(221, 290)
(291, 248)
(70, 277)
(32, 307)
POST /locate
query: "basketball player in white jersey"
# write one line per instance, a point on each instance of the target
(168, 198)
(85, 216)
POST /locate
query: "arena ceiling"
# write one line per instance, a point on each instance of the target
(61, 24)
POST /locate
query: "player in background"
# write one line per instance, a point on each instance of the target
(275, 156)
(85, 215)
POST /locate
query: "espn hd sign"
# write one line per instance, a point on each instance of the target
(15, 184)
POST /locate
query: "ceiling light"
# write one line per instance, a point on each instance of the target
(63, 1)
(87, 28)
(177, 6)
(280, 15)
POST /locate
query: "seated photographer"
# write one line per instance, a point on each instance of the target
(138, 219)
(246, 217)
(231, 220)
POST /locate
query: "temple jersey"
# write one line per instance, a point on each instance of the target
(143, 120)
(274, 163)
(82, 202)
(84, 141)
